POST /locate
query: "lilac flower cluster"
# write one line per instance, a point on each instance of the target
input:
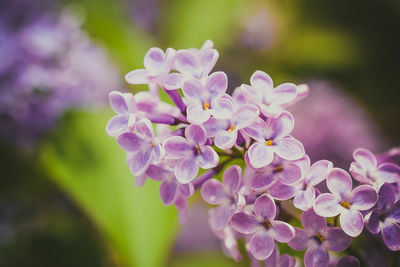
(207, 129)
(48, 66)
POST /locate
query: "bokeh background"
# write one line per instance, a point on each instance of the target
(67, 197)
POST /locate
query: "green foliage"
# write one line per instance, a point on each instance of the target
(91, 168)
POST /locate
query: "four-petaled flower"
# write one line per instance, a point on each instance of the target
(318, 238)
(345, 201)
(226, 195)
(385, 218)
(262, 227)
(192, 153)
(272, 136)
(124, 105)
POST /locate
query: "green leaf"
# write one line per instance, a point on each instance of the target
(91, 168)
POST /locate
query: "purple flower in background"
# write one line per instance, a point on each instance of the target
(348, 261)
(268, 98)
(226, 195)
(50, 66)
(386, 217)
(367, 171)
(262, 227)
(272, 137)
(345, 201)
(124, 105)
(304, 196)
(318, 239)
(226, 131)
(208, 99)
(157, 65)
(142, 145)
(192, 63)
(192, 153)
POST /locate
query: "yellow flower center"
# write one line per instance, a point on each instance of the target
(232, 128)
(320, 237)
(198, 150)
(268, 223)
(345, 204)
(269, 142)
(206, 105)
(278, 168)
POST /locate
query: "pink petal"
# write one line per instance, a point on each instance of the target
(226, 139)
(256, 130)
(207, 60)
(177, 147)
(304, 200)
(130, 142)
(301, 240)
(261, 245)
(282, 232)
(281, 191)
(312, 221)
(173, 81)
(186, 170)
(154, 60)
(261, 181)
(196, 134)
(365, 158)
(336, 239)
(222, 107)
(168, 190)
(260, 155)
(391, 236)
(245, 116)
(145, 128)
(260, 79)
(232, 178)
(316, 257)
(244, 223)
(284, 93)
(118, 101)
(139, 76)
(289, 148)
(212, 192)
(290, 174)
(117, 125)
(196, 114)
(193, 88)
(140, 161)
(364, 197)
(265, 207)
(282, 126)
(220, 217)
(318, 172)
(351, 222)
(339, 182)
(208, 158)
(327, 205)
(185, 62)
(389, 172)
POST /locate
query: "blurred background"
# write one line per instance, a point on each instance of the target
(67, 197)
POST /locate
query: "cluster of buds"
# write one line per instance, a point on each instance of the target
(275, 183)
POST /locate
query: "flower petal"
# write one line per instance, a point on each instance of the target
(327, 205)
(337, 240)
(186, 170)
(207, 60)
(339, 182)
(260, 79)
(290, 174)
(304, 200)
(168, 190)
(177, 147)
(185, 62)
(193, 88)
(389, 172)
(261, 181)
(316, 257)
(140, 161)
(301, 240)
(282, 125)
(391, 236)
(265, 207)
(139, 76)
(117, 125)
(196, 134)
(387, 196)
(348, 261)
(130, 142)
(281, 191)
(222, 107)
(220, 217)
(118, 101)
(364, 197)
(196, 114)
(282, 232)
(154, 60)
(173, 81)
(289, 148)
(245, 116)
(351, 222)
(312, 221)
(373, 224)
(212, 192)
(226, 139)
(261, 245)
(216, 84)
(208, 158)
(284, 93)
(318, 172)
(256, 130)
(145, 128)
(244, 223)
(232, 178)
(260, 155)
(365, 158)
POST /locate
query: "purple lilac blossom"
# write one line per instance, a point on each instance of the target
(210, 129)
(50, 66)
(318, 239)
(366, 170)
(262, 226)
(345, 201)
(385, 218)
